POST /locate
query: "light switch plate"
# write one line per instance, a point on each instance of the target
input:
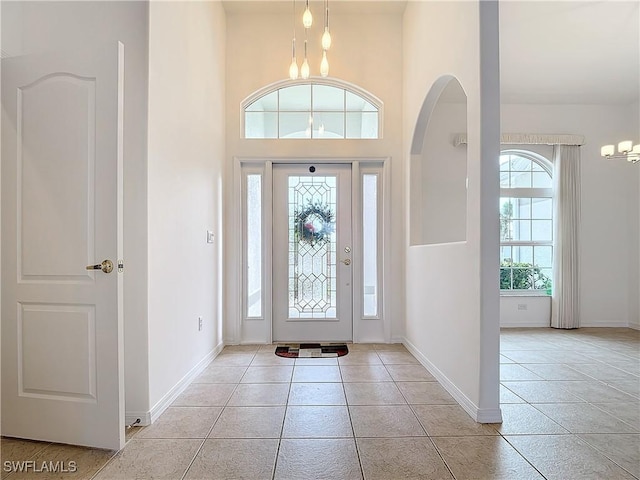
(209, 236)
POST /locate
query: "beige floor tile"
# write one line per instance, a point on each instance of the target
(631, 387)
(596, 392)
(233, 360)
(317, 421)
(143, 459)
(249, 422)
(318, 458)
(521, 419)
(555, 371)
(317, 394)
(484, 458)
(425, 392)
(57, 461)
(131, 432)
(360, 347)
(449, 420)
(183, 422)
(410, 373)
(385, 421)
(215, 374)
(542, 391)
(383, 393)
(18, 450)
(624, 450)
(365, 373)
(401, 458)
(566, 457)
(261, 394)
(584, 418)
(275, 374)
(627, 412)
(368, 357)
(205, 395)
(267, 347)
(316, 373)
(316, 362)
(510, 372)
(507, 396)
(603, 372)
(241, 349)
(224, 459)
(397, 358)
(267, 359)
(389, 347)
(504, 359)
(630, 366)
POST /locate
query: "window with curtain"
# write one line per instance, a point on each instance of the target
(526, 223)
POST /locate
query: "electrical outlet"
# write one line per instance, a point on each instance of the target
(199, 324)
(522, 306)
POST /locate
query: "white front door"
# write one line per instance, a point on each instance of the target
(62, 340)
(312, 246)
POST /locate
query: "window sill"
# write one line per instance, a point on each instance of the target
(523, 293)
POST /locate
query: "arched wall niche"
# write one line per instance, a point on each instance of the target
(438, 186)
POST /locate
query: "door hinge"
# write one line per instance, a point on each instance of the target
(120, 266)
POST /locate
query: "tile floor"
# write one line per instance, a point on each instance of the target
(570, 401)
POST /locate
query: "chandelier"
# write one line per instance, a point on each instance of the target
(626, 151)
(307, 22)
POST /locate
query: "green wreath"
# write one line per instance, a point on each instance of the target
(314, 224)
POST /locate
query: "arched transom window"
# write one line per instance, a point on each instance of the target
(315, 109)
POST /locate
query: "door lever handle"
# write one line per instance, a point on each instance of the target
(346, 261)
(106, 266)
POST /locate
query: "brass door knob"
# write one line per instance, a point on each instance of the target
(106, 266)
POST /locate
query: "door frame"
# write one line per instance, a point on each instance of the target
(242, 330)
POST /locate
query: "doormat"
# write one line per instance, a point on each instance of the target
(312, 350)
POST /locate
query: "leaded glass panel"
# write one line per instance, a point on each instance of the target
(312, 247)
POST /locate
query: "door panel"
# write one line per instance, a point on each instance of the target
(62, 343)
(312, 273)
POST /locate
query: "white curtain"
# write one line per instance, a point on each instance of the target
(565, 303)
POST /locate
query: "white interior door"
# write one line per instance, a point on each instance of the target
(62, 341)
(312, 269)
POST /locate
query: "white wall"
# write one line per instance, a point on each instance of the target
(610, 203)
(186, 151)
(452, 295)
(30, 27)
(366, 51)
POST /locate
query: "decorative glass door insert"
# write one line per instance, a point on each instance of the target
(312, 253)
(312, 246)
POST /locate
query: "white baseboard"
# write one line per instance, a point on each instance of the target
(525, 325)
(486, 415)
(147, 418)
(635, 326)
(397, 340)
(606, 324)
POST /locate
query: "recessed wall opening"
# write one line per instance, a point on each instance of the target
(438, 202)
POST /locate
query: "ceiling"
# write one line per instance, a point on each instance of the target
(570, 52)
(566, 52)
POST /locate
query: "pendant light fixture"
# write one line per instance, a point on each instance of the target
(324, 64)
(304, 70)
(326, 36)
(293, 68)
(307, 18)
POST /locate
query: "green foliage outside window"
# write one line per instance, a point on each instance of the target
(525, 277)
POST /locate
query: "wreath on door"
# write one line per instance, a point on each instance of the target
(314, 224)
